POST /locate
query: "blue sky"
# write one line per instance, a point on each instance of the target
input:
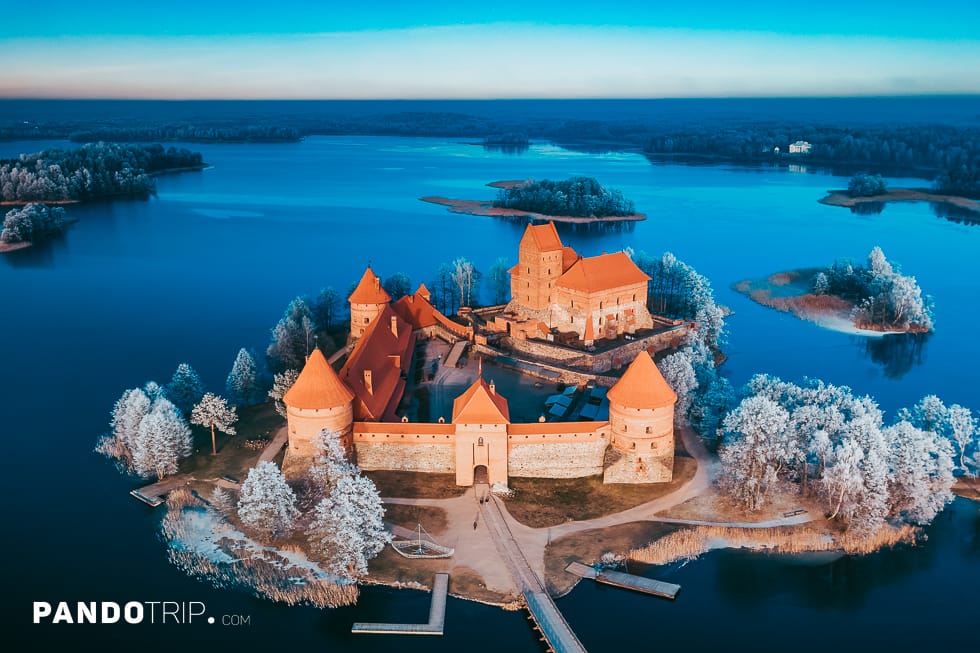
(504, 49)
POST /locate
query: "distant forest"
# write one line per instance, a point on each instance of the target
(578, 196)
(90, 172)
(891, 139)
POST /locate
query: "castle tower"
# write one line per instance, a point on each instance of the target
(540, 261)
(481, 416)
(641, 417)
(366, 302)
(318, 400)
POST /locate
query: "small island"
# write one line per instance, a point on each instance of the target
(577, 200)
(872, 300)
(868, 194)
(24, 226)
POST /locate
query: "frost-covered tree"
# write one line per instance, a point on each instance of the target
(242, 383)
(962, 430)
(755, 449)
(281, 383)
(292, 337)
(465, 276)
(214, 413)
(266, 504)
(330, 461)
(222, 500)
(163, 439)
(921, 472)
(930, 414)
(31, 223)
(678, 370)
(154, 390)
(127, 414)
(347, 529)
(185, 388)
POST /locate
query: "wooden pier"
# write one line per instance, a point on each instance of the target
(626, 581)
(152, 501)
(437, 616)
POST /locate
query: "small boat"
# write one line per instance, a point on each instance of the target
(421, 547)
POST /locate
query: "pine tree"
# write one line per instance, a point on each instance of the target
(185, 388)
(267, 504)
(162, 440)
(127, 414)
(214, 413)
(281, 383)
(243, 380)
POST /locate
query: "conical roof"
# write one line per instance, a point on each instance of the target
(369, 290)
(480, 405)
(317, 386)
(642, 386)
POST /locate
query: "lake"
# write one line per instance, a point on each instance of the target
(209, 264)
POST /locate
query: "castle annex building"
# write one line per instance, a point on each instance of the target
(481, 443)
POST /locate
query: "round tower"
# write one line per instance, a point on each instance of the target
(318, 400)
(641, 421)
(366, 302)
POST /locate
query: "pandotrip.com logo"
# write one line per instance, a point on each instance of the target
(132, 612)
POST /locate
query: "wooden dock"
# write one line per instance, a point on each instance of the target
(626, 581)
(152, 501)
(437, 616)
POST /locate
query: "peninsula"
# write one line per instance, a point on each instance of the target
(845, 199)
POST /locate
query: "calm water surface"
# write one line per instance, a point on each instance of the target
(208, 265)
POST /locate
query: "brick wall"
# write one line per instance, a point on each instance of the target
(412, 458)
(559, 460)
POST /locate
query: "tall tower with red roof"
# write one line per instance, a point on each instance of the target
(641, 421)
(366, 302)
(318, 400)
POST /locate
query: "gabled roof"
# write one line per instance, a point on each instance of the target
(480, 405)
(544, 236)
(369, 290)
(375, 352)
(317, 386)
(603, 272)
(416, 310)
(642, 386)
(568, 258)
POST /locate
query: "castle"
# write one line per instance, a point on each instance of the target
(600, 295)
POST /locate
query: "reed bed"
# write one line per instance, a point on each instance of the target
(690, 543)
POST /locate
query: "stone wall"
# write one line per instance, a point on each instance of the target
(406, 457)
(602, 361)
(632, 468)
(558, 460)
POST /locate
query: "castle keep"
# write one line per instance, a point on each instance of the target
(600, 295)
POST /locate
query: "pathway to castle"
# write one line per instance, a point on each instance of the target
(473, 540)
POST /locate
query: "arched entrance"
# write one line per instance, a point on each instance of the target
(480, 475)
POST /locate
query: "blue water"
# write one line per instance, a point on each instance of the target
(208, 265)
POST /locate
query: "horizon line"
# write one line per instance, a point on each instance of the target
(588, 98)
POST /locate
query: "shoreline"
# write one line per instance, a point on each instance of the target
(485, 208)
(842, 198)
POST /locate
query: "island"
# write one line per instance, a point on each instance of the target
(578, 200)
(490, 455)
(845, 199)
(22, 227)
(874, 299)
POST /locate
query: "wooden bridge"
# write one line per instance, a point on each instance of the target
(437, 616)
(626, 581)
(555, 631)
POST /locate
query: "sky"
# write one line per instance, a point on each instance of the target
(410, 49)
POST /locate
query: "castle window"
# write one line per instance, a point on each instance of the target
(633, 445)
(652, 445)
(649, 429)
(626, 427)
(479, 442)
(367, 320)
(634, 297)
(600, 305)
(617, 301)
(549, 270)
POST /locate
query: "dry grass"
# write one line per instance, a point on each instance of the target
(715, 506)
(784, 278)
(390, 568)
(692, 542)
(542, 502)
(968, 488)
(434, 520)
(588, 547)
(234, 457)
(416, 485)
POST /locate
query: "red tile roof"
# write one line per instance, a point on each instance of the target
(545, 236)
(605, 272)
(374, 352)
(369, 290)
(317, 386)
(642, 386)
(479, 405)
(568, 258)
(416, 310)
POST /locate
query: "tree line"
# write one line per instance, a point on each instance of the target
(31, 223)
(189, 133)
(578, 196)
(90, 172)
